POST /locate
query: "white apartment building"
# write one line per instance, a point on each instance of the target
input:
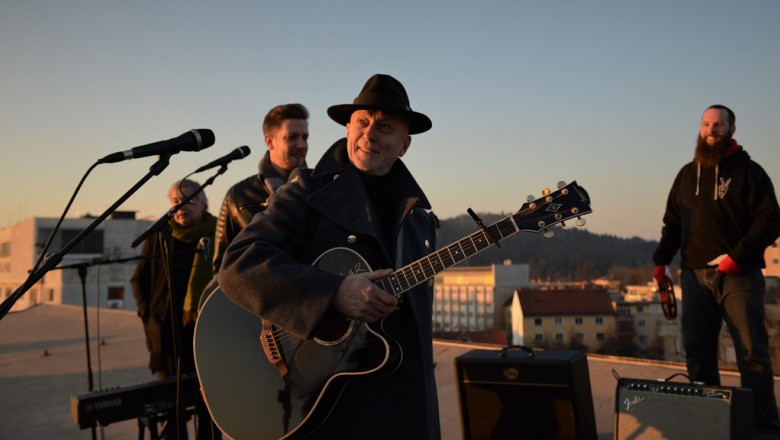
(471, 299)
(107, 281)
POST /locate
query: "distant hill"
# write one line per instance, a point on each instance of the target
(572, 255)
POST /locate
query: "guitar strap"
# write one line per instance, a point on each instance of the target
(399, 247)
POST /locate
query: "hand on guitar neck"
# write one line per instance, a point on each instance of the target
(359, 298)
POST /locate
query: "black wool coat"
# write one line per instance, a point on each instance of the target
(268, 270)
(150, 289)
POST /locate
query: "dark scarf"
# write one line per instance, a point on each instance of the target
(383, 193)
(201, 272)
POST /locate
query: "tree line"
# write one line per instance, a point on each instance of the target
(570, 255)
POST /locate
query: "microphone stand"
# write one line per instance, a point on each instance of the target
(82, 271)
(54, 259)
(163, 230)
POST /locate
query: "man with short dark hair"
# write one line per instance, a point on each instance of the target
(361, 200)
(722, 213)
(286, 134)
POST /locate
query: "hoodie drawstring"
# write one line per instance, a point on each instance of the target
(715, 189)
(698, 178)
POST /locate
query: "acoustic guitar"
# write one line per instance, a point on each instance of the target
(262, 382)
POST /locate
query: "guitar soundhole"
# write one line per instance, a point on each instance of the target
(334, 328)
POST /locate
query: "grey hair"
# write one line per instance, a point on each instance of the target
(192, 186)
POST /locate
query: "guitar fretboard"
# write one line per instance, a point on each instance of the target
(427, 267)
(538, 215)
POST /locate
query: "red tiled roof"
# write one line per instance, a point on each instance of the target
(565, 302)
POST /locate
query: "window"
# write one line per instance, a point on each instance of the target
(580, 336)
(578, 320)
(643, 339)
(599, 336)
(538, 322)
(116, 293)
(641, 323)
(558, 321)
(92, 243)
(599, 320)
(559, 337)
(538, 337)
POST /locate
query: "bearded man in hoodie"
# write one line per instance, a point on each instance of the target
(722, 214)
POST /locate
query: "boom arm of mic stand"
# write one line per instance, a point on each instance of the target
(55, 258)
(163, 220)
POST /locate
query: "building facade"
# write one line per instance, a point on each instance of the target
(470, 300)
(562, 318)
(104, 258)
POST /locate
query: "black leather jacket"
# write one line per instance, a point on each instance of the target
(242, 201)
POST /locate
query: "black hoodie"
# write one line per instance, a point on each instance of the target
(728, 209)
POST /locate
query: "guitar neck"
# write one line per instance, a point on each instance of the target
(429, 266)
(538, 215)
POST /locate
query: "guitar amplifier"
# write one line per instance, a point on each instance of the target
(646, 409)
(525, 394)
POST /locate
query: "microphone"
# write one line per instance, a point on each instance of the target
(238, 153)
(193, 140)
(203, 244)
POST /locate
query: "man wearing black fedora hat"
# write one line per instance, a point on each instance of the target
(306, 266)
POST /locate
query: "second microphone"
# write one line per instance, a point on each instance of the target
(238, 153)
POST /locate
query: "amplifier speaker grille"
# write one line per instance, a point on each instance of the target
(544, 396)
(658, 410)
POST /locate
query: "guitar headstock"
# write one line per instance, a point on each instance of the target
(553, 208)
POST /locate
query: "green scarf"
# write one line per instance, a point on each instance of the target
(201, 267)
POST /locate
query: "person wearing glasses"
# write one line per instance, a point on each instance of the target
(168, 281)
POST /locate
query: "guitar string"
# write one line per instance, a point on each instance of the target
(471, 248)
(282, 336)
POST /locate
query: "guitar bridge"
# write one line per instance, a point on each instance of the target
(272, 350)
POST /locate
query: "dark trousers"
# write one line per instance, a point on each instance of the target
(709, 298)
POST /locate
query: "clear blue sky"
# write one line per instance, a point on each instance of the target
(522, 94)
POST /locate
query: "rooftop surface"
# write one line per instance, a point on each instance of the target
(43, 363)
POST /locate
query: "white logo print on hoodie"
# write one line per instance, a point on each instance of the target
(723, 188)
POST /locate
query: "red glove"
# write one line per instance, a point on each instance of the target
(659, 272)
(727, 265)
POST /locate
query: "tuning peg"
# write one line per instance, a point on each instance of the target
(580, 221)
(545, 191)
(548, 233)
(561, 184)
(530, 198)
(563, 226)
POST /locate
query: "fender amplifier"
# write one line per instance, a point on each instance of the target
(646, 409)
(525, 394)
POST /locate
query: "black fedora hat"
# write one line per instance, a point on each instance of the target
(382, 92)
